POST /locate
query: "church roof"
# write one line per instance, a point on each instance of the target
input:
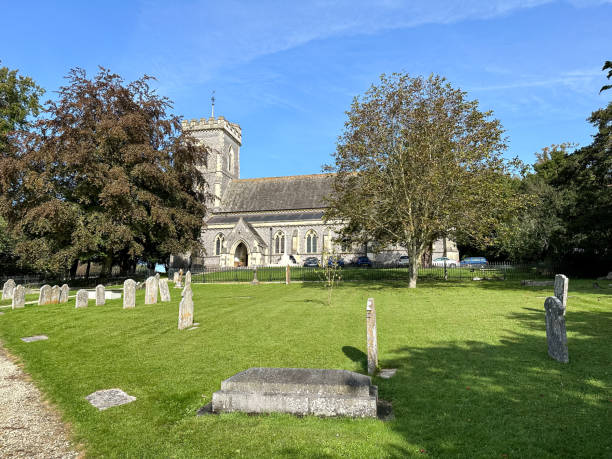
(277, 193)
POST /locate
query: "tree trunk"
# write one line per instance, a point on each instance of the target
(107, 266)
(73, 269)
(415, 260)
(87, 269)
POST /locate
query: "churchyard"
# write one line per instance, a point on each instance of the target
(474, 378)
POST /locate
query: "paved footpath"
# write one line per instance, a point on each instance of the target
(28, 427)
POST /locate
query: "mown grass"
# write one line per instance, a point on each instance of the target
(474, 378)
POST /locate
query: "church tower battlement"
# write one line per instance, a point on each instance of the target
(204, 124)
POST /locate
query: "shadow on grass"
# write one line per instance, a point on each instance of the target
(474, 399)
(356, 356)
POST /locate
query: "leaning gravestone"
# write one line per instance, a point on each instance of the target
(64, 293)
(151, 290)
(556, 334)
(372, 341)
(7, 289)
(185, 319)
(164, 291)
(82, 298)
(45, 295)
(19, 297)
(129, 293)
(100, 298)
(561, 285)
(55, 294)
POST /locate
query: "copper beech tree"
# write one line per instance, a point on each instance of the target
(105, 175)
(417, 161)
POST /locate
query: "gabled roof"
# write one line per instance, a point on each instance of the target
(277, 193)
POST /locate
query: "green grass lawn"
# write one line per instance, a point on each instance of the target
(474, 377)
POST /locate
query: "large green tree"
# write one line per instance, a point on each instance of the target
(106, 175)
(417, 161)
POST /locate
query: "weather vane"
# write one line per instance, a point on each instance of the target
(212, 99)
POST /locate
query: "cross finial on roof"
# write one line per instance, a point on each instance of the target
(212, 100)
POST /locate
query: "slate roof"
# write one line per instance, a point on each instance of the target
(277, 193)
(221, 219)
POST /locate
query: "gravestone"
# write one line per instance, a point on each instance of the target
(178, 279)
(556, 334)
(301, 391)
(371, 336)
(188, 279)
(164, 291)
(157, 276)
(561, 285)
(19, 297)
(45, 295)
(287, 274)
(255, 281)
(7, 289)
(55, 294)
(64, 293)
(175, 278)
(32, 339)
(103, 399)
(185, 319)
(151, 287)
(100, 297)
(129, 294)
(82, 298)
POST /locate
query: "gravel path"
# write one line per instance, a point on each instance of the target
(28, 427)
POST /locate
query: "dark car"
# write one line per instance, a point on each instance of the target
(364, 261)
(338, 261)
(311, 261)
(474, 262)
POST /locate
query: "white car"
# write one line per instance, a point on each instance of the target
(449, 262)
(404, 260)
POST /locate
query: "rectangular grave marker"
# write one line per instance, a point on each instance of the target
(185, 319)
(560, 289)
(55, 294)
(129, 294)
(371, 337)
(164, 291)
(100, 295)
(151, 286)
(7, 289)
(45, 295)
(64, 293)
(556, 334)
(19, 297)
(82, 298)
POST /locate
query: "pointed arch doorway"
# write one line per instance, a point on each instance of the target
(241, 255)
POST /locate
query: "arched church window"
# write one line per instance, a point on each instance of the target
(219, 244)
(311, 242)
(279, 242)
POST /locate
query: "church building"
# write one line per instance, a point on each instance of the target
(269, 220)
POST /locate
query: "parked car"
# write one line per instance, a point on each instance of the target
(337, 260)
(474, 262)
(311, 262)
(404, 260)
(364, 261)
(442, 261)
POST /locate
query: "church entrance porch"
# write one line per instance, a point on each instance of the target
(241, 255)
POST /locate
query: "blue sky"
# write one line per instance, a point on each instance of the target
(287, 71)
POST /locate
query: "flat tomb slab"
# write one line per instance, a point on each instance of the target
(301, 391)
(108, 398)
(31, 339)
(108, 294)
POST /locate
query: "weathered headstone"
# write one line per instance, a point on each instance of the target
(129, 293)
(100, 295)
(55, 294)
(151, 287)
(82, 298)
(188, 278)
(19, 297)
(45, 295)
(179, 282)
(185, 319)
(164, 291)
(175, 279)
(556, 335)
(561, 285)
(64, 293)
(371, 336)
(7, 289)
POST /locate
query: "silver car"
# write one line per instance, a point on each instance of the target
(449, 262)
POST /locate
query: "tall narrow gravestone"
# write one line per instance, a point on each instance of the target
(45, 295)
(82, 298)
(556, 335)
(175, 279)
(371, 337)
(129, 294)
(7, 289)
(188, 279)
(64, 293)
(18, 297)
(151, 287)
(561, 285)
(55, 294)
(185, 319)
(100, 295)
(164, 291)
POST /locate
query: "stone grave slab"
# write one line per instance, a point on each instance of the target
(301, 391)
(31, 339)
(387, 373)
(108, 398)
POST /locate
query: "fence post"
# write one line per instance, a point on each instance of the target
(287, 275)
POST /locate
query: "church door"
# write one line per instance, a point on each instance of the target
(241, 256)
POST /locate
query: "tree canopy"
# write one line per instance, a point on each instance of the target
(417, 161)
(104, 175)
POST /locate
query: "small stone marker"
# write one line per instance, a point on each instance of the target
(164, 291)
(188, 279)
(561, 285)
(7, 289)
(129, 293)
(100, 296)
(255, 281)
(64, 293)
(108, 398)
(45, 295)
(175, 279)
(288, 275)
(387, 373)
(371, 337)
(151, 287)
(82, 298)
(31, 339)
(55, 294)
(185, 319)
(556, 334)
(19, 297)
